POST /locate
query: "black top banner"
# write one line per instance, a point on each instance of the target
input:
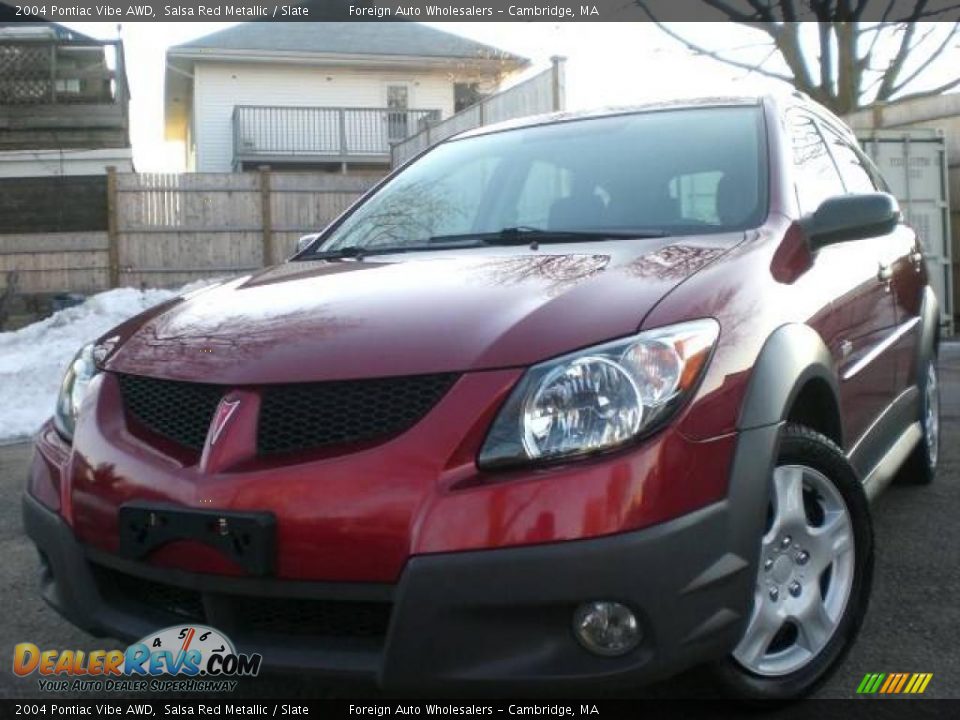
(478, 10)
(367, 709)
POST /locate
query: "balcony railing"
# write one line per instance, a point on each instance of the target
(57, 94)
(305, 134)
(44, 72)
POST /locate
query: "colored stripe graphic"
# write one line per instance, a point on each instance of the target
(891, 679)
(894, 683)
(870, 683)
(903, 681)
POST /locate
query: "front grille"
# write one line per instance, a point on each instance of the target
(168, 599)
(250, 615)
(294, 417)
(178, 411)
(321, 618)
(315, 415)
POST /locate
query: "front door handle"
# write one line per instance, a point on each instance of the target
(885, 273)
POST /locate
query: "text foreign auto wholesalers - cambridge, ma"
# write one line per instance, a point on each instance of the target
(379, 11)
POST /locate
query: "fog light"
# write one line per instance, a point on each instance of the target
(606, 628)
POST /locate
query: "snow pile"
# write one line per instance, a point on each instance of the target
(34, 358)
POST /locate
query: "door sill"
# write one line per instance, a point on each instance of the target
(885, 470)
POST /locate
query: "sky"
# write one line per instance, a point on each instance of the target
(607, 64)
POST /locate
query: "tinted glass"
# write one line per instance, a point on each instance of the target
(680, 171)
(853, 169)
(815, 175)
(849, 155)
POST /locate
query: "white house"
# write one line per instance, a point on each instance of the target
(319, 95)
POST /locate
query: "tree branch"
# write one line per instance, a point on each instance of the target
(896, 64)
(842, 68)
(929, 61)
(788, 42)
(700, 50)
(826, 55)
(730, 11)
(933, 91)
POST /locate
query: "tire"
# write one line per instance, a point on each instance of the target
(813, 587)
(921, 467)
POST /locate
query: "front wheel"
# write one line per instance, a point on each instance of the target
(813, 576)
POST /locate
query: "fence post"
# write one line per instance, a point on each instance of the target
(113, 235)
(557, 86)
(266, 215)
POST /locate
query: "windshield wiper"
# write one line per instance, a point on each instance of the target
(350, 251)
(359, 252)
(524, 235)
(507, 236)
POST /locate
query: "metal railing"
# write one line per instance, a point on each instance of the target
(335, 133)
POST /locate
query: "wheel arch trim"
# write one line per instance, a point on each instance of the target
(928, 346)
(793, 355)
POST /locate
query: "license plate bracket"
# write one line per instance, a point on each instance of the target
(247, 538)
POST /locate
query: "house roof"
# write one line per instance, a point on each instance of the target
(348, 38)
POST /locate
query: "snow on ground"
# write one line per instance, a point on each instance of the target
(34, 358)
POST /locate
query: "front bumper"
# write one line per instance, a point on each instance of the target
(458, 619)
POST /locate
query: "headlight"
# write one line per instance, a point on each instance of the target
(72, 389)
(599, 398)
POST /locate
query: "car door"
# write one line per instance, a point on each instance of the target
(861, 314)
(901, 260)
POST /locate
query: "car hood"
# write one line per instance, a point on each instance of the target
(407, 314)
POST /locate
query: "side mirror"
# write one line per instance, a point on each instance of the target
(851, 217)
(305, 240)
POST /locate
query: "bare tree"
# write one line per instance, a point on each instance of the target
(853, 64)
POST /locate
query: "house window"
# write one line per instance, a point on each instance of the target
(466, 95)
(68, 87)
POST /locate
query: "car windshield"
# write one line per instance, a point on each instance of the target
(671, 172)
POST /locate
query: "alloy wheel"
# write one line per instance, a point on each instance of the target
(805, 574)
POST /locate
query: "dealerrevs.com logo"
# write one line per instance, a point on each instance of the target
(193, 658)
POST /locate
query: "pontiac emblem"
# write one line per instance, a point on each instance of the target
(225, 411)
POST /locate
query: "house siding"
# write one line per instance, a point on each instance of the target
(220, 86)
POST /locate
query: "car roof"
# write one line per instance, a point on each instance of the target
(572, 115)
(782, 101)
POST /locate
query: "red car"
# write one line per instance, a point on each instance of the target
(589, 398)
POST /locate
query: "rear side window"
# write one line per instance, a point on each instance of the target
(851, 164)
(854, 165)
(815, 176)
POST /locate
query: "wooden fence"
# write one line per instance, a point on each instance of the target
(166, 230)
